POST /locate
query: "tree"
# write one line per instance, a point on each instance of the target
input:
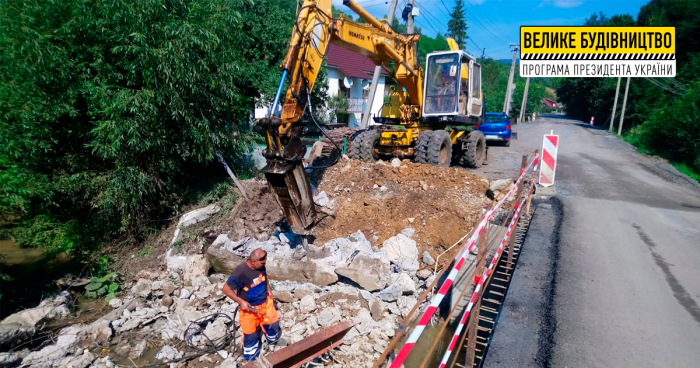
(535, 95)
(457, 25)
(112, 111)
(428, 44)
(596, 19)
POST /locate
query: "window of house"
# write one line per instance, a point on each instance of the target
(344, 91)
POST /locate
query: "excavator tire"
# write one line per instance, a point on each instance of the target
(353, 148)
(440, 148)
(366, 143)
(422, 144)
(476, 150)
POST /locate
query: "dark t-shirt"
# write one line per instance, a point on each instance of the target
(249, 284)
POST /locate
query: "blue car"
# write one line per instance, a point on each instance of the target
(496, 127)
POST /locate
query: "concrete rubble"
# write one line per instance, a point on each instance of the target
(374, 283)
(345, 279)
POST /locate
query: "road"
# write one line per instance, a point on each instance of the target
(609, 274)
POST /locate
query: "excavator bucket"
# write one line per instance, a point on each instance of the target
(293, 192)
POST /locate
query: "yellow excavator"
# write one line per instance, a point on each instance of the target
(429, 117)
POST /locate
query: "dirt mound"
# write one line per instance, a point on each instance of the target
(440, 203)
(257, 216)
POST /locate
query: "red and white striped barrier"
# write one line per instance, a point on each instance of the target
(480, 285)
(550, 145)
(459, 262)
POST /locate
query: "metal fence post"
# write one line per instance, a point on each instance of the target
(474, 317)
(511, 238)
(529, 195)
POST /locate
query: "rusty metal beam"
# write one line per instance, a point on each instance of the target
(301, 352)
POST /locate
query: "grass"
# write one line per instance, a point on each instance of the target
(144, 252)
(681, 167)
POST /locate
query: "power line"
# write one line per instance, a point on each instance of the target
(482, 26)
(662, 86)
(432, 16)
(488, 19)
(429, 24)
(446, 8)
(477, 46)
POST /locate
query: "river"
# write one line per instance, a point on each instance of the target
(31, 276)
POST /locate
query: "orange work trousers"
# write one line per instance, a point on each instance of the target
(262, 317)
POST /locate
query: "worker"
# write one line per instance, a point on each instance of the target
(249, 287)
(446, 90)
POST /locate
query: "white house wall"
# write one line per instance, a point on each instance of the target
(378, 98)
(335, 77)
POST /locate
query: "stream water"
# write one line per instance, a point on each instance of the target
(31, 276)
(11, 254)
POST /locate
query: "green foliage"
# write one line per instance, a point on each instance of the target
(337, 13)
(494, 80)
(596, 19)
(111, 111)
(338, 105)
(144, 252)
(224, 193)
(673, 131)
(685, 169)
(106, 285)
(535, 95)
(429, 44)
(319, 98)
(457, 25)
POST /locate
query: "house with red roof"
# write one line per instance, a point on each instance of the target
(349, 75)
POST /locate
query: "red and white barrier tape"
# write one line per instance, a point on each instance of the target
(480, 285)
(459, 262)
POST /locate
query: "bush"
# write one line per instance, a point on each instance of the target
(112, 111)
(673, 132)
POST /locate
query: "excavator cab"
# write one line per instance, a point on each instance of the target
(452, 92)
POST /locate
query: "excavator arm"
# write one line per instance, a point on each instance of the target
(314, 28)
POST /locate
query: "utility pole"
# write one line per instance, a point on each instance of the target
(483, 53)
(506, 103)
(624, 104)
(524, 104)
(617, 92)
(409, 22)
(375, 77)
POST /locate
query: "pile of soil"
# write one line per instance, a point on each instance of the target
(257, 217)
(440, 203)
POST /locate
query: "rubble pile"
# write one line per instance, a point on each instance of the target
(367, 260)
(338, 135)
(352, 281)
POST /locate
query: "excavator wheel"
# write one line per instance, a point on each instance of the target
(353, 148)
(422, 144)
(476, 150)
(440, 148)
(364, 144)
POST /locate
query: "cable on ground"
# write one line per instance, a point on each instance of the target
(197, 328)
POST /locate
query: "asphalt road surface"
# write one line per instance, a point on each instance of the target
(609, 275)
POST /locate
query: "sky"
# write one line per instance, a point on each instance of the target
(495, 24)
